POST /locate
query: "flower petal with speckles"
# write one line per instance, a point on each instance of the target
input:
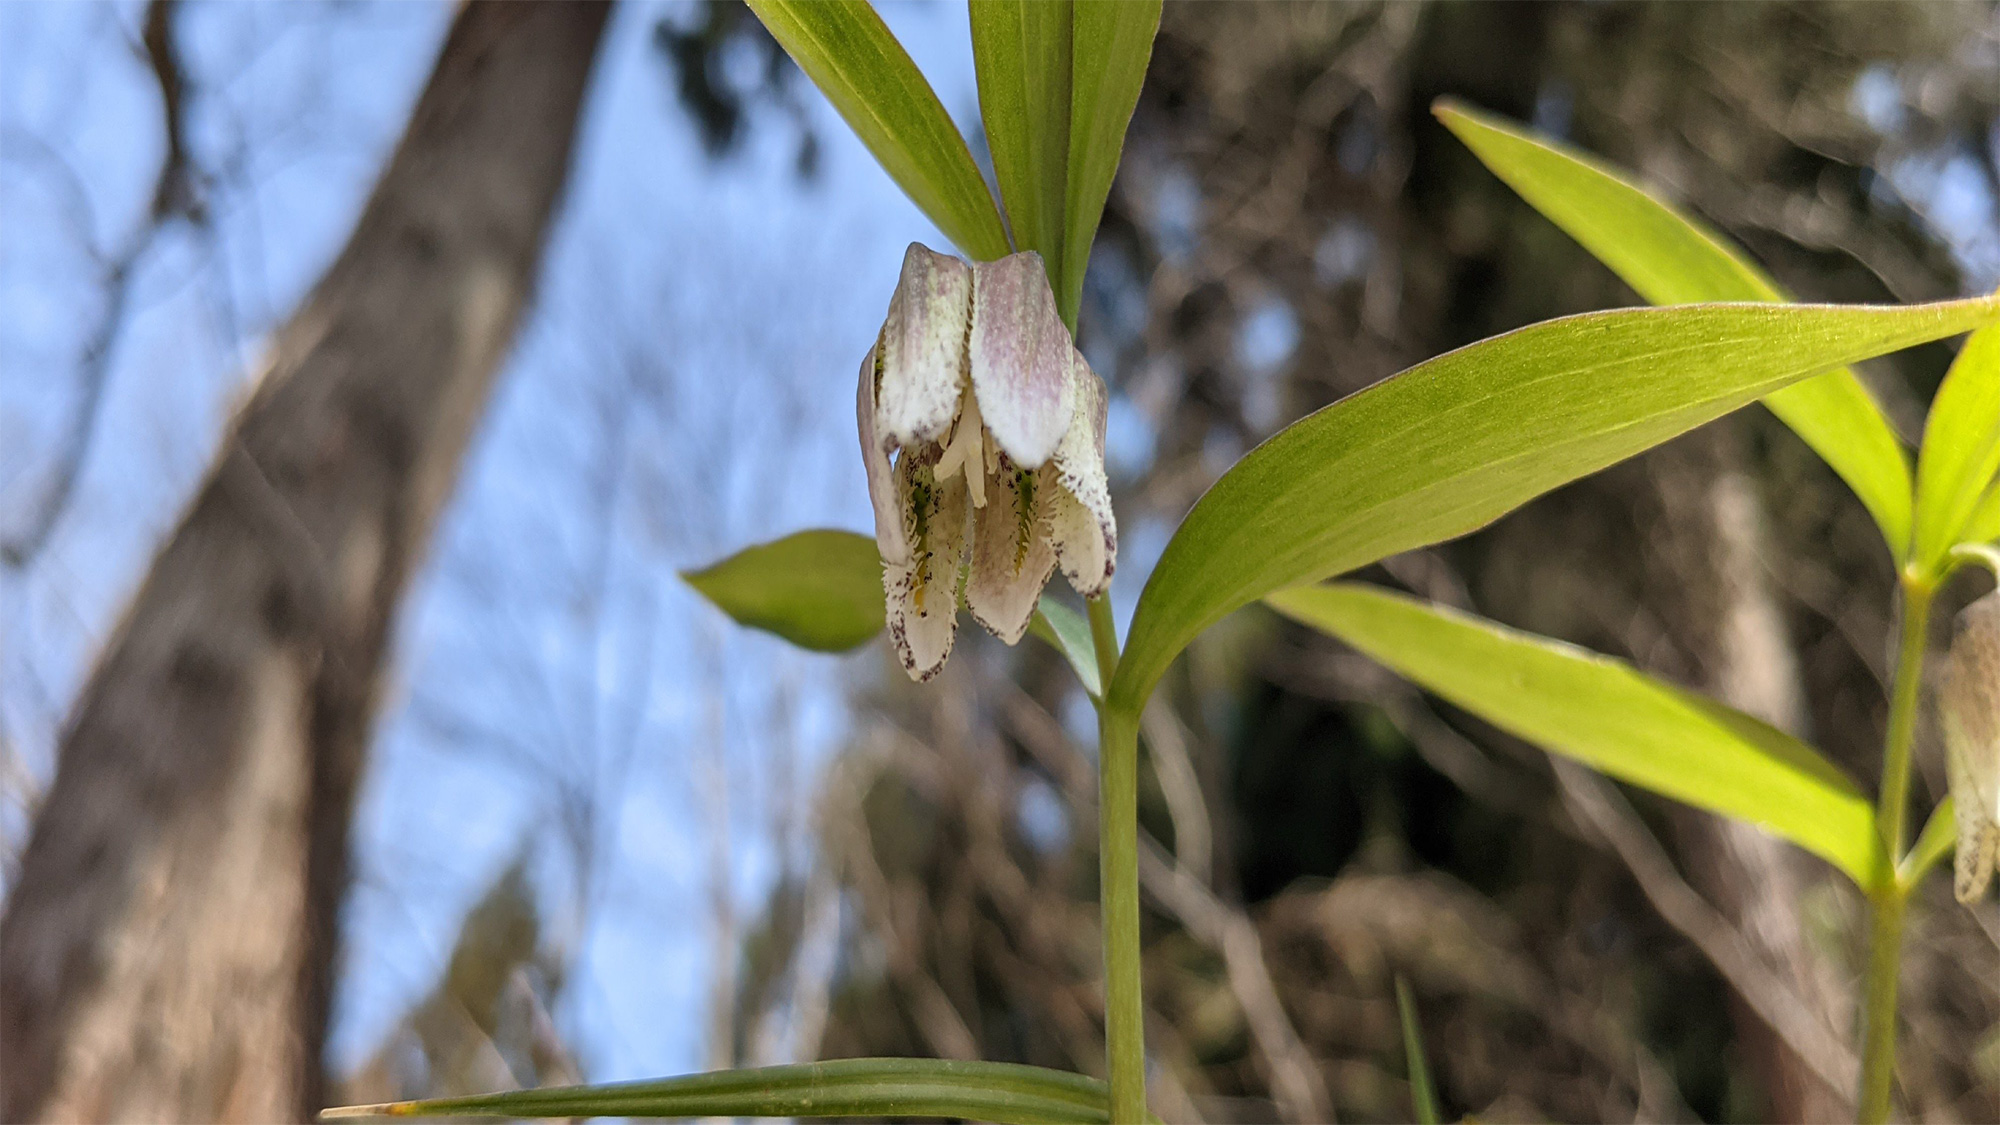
(923, 346)
(1011, 555)
(922, 595)
(1079, 520)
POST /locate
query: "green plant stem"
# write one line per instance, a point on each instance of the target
(1118, 883)
(1888, 899)
(1895, 807)
(1878, 1001)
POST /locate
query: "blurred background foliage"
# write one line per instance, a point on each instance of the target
(1290, 225)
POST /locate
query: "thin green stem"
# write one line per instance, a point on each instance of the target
(1888, 899)
(1118, 883)
(1895, 807)
(1878, 1001)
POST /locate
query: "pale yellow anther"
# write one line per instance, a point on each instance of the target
(967, 451)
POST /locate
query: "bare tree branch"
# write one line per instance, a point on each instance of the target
(1295, 1079)
(1599, 806)
(175, 197)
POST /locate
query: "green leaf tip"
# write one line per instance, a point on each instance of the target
(383, 1109)
(820, 590)
(1068, 633)
(1961, 451)
(1669, 258)
(1936, 841)
(1609, 716)
(1450, 445)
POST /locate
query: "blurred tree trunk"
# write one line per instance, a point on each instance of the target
(167, 951)
(1708, 567)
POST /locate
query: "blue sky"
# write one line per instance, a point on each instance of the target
(682, 387)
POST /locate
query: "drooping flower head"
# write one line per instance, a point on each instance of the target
(983, 433)
(1969, 711)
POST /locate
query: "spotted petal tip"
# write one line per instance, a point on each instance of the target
(1081, 524)
(922, 595)
(1011, 555)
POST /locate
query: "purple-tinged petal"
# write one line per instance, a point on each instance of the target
(1080, 524)
(882, 492)
(1020, 358)
(1011, 557)
(922, 595)
(923, 348)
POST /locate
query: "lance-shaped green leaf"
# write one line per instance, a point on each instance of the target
(820, 590)
(1113, 43)
(1068, 633)
(1961, 448)
(1455, 442)
(977, 1091)
(1935, 842)
(1671, 259)
(1983, 525)
(848, 52)
(1021, 53)
(1609, 716)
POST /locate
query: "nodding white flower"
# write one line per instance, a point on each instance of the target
(996, 429)
(1969, 707)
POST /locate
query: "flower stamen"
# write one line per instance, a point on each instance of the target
(967, 451)
(1024, 528)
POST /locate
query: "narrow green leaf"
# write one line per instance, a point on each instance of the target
(1936, 841)
(1961, 450)
(1423, 1094)
(1455, 442)
(820, 590)
(1021, 52)
(848, 52)
(978, 1091)
(1113, 45)
(1069, 633)
(1607, 715)
(1672, 259)
(1983, 525)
